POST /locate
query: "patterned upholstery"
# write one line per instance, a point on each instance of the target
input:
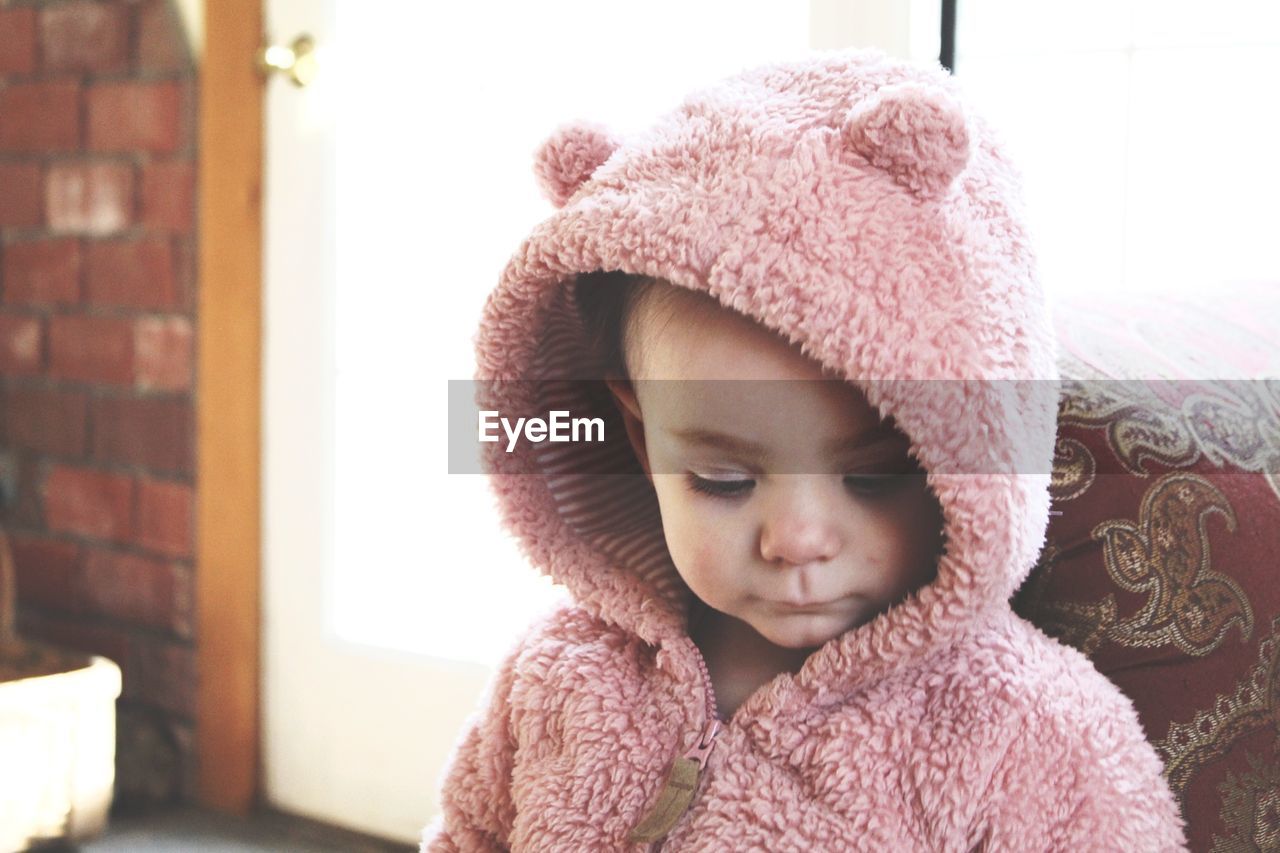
(1164, 565)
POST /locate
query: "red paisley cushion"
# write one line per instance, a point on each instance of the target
(1164, 564)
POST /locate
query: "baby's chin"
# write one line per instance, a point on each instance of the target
(803, 630)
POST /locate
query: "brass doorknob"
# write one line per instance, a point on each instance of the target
(297, 61)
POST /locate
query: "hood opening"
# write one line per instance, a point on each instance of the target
(600, 490)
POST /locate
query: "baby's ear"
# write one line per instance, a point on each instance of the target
(567, 158)
(624, 394)
(914, 131)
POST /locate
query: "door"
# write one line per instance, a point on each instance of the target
(355, 730)
(397, 185)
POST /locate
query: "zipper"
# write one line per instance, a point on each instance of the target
(699, 751)
(713, 713)
(686, 772)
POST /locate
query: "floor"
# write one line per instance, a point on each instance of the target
(188, 828)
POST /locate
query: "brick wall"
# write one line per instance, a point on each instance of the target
(97, 312)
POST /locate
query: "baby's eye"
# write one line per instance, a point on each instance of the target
(719, 487)
(873, 485)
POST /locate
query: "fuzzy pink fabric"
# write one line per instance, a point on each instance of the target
(849, 202)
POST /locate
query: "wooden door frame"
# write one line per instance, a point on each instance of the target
(228, 409)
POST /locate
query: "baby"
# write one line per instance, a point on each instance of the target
(806, 312)
(779, 564)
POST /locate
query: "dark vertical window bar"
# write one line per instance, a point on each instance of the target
(947, 55)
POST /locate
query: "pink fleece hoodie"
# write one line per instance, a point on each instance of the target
(850, 203)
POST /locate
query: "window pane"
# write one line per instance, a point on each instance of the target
(997, 27)
(1144, 131)
(1203, 172)
(1166, 23)
(1071, 152)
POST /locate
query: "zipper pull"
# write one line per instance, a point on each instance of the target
(700, 750)
(678, 789)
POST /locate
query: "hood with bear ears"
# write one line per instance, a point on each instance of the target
(846, 201)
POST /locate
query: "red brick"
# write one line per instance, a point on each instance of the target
(17, 41)
(183, 737)
(145, 591)
(42, 272)
(163, 353)
(165, 517)
(48, 421)
(89, 198)
(85, 37)
(74, 633)
(168, 195)
(161, 38)
(132, 116)
(160, 673)
(154, 434)
(21, 340)
(185, 260)
(21, 200)
(88, 502)
(91, 349)
(132, 273)
(29, 511)
(154, 754)
(46, 570)
(39, 117)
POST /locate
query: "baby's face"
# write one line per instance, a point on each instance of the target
(820, 524)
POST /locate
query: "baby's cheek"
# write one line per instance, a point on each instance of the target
(711, 551)
(695, 540)
(699, 546)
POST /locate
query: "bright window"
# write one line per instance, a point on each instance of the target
(1146, 132)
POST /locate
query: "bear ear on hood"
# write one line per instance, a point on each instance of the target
(915, 132)
(566, 159)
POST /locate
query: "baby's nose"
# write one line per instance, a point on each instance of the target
(798, 527)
